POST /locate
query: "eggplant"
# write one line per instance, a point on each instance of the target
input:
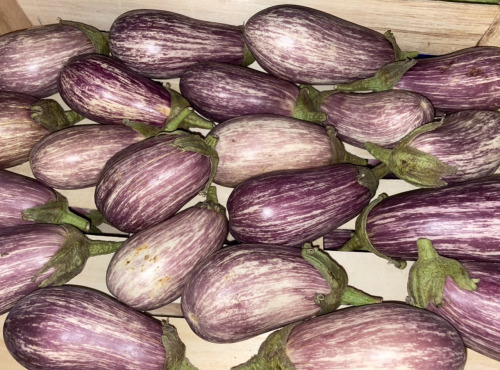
(253, 144)
(466, 294)
(221, 91)
(151, 268)
(459, 147)
(31, 59)
(104, 90)
(244, 290)
(39, 255)
(162, 44)
(81, 328)
(149, 181)
(388, 335)
(26, 200)
(460, 219)
(291, 207)
(74, 157)
(336, 238)
(308, 46)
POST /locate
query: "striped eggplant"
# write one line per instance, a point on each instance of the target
(244, 290)
(461, 146)
(389, 335)
(221, 91)
(39, 255)
(162, 44)
(31, 59)
(151, 267)
(466, 294)
(253, 144)
(75, 327)
(104, 90)
(336, 238)
(291, 207)
(460, 219)
(149, 181)
(26, 200)
(308, 46)
(74, 157)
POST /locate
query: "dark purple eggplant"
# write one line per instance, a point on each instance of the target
(31, 59)
(104, 90)
(336, 238)
(466, 294)
(308, 46)
(384, 336)
(152, 266)
(74, 157)
(75, 327)
(461, 146)
(254, 144)
(244, 290)
(460, 219)
(39, 255)
(149, 181)
(221, 91)
(162, 44)
(26, 200)
(291, 207)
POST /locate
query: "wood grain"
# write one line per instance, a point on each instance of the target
(12, 17)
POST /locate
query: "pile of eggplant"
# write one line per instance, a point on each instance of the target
(266, 110)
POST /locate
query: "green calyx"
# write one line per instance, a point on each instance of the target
(340, 154)
(305, 109)
(398, 53)
(175, 349)
(427, 276)
(99, 39)
(248, 57)
(51, 115)
(211, 202)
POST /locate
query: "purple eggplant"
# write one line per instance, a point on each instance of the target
(31, 59)
(81, 328)
(26, 200)
(461, 146)
(308, 46)
(221, 91)
(104, 90)
(152, 267)
(336, 238)
(74, 157)
(149, 181)
(254, 144)
(162, 44)
(461, 220)
(39, 255)
(291, 207)
(388, 335)
(244, 290)
(466, 294)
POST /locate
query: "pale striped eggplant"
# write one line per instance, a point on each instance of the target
(461, 220)
(74, 157)
(26, 200)
(76, 327)
(336, 238)
(221, 91)
(461, 146)
(466, 294)
(104, 90)
(290, 207)
(31, 59)
(149, 181)
(162, 44)
(151, 267)
(254, 144)
(39, 255)
(244, 290)
(388, 335)
(308, 46)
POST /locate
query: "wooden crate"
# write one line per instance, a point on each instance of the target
(431, 27)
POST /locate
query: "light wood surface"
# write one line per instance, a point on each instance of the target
(12, 17)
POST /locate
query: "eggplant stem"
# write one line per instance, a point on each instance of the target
(339, 153)
(175, 349)
(101, 247)
(355, 297)
(51, 115)
(305, 109)
(398, 53)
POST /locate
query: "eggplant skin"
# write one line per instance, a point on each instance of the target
(382, 336)
(73, 158)
(244, 290)
(308, 46)
(30, 59)
(162, 44)
(78, 327)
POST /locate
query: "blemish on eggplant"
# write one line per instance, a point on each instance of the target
(474, 72)
(4, 254)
